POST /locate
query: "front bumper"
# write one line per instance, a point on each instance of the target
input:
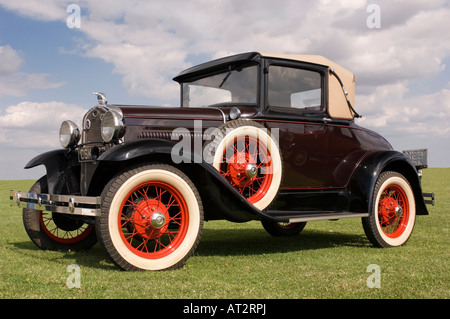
(64, 204)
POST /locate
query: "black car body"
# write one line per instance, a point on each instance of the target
(257, 137)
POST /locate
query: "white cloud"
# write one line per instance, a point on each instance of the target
(43, 10)
(16, 83)
(148, 46)
(389, 111)
(30, 124)
(149, 42)
(11, 61)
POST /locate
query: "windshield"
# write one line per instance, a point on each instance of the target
(236, 84)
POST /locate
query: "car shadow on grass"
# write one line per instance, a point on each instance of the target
(214, 242)
(229, 242)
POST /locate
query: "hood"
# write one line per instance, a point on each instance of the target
(220, 114)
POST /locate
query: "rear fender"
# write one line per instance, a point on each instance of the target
(366, 174)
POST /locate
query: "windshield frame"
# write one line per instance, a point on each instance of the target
(225, 71)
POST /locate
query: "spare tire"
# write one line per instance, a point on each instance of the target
(249, 158)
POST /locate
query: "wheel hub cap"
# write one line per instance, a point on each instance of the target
(242, 170)
(158, 220)
(251, 170)
(149, 218)
(391, 208)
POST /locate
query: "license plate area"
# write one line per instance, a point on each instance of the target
(90, 153)
(419, 157)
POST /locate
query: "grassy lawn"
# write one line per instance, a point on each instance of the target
(328, 260)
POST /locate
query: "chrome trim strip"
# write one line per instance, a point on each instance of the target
(64, 204)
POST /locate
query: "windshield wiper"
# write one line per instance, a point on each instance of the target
(225, 78)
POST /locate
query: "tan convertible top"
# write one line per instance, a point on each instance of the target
(337, 103)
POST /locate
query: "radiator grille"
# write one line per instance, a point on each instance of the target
(92, 126)
(92, 145)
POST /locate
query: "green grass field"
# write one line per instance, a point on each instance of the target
(328, 260)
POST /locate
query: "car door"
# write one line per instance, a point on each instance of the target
(295, 104)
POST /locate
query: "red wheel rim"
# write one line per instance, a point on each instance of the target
(393, 211)
(237, 157)
(61, 235)
(153, 220)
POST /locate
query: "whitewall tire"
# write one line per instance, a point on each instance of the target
(152, 218)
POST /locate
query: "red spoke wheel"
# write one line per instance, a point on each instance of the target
(63, 229)
(247, 165)
(393, 211)
(53, 231)
(151, 218)
(247, 156)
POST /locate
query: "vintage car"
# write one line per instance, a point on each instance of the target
(257, 137)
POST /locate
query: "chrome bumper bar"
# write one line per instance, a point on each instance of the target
(64, 204)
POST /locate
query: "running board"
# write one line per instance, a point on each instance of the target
(312, 216)
(329, 217)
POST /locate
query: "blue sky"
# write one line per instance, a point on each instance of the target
(132, 49)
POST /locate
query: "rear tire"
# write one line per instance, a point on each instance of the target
(151, 219)
(393, 211)
(282, 229)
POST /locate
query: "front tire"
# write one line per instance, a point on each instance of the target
(53, 231)
(393, 211)
(152, 218)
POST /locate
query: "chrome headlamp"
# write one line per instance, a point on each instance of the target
(69, 134)
(112, 126)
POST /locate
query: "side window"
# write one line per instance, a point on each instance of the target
(295, 88)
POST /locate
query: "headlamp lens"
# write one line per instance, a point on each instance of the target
(112, 126)
(69, 134)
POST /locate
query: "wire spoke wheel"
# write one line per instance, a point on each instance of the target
(393, 211)
(152, 218)
(247, 165)
(248, 157)
(54, 231)
(392, 216)
(62, 229)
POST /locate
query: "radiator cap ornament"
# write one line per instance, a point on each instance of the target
(101, 98)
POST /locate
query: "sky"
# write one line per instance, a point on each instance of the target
(55, 53)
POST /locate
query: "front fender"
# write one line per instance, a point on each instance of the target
(63, 170)
(135, 149)
(218, 194)
(364, 178)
